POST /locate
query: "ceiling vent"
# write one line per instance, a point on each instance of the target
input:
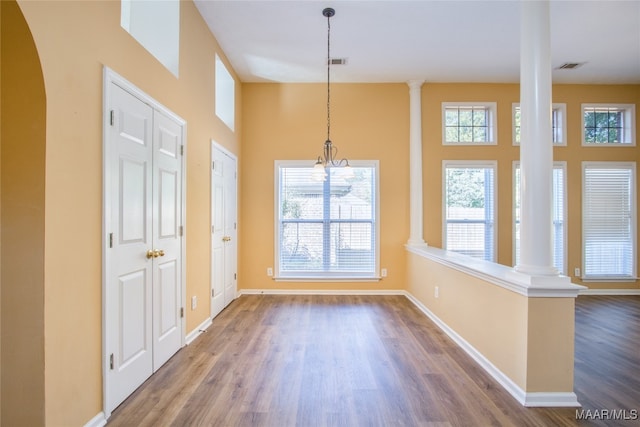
(338, 61)
(570, 65)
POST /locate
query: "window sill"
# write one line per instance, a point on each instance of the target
(608, 279)
(327, 279)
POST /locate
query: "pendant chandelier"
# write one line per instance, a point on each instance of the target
(330, 153)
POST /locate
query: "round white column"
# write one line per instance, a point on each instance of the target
(536, 144)
(415, 163)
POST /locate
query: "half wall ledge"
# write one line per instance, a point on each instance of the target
(501, 275)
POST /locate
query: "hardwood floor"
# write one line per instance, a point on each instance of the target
(369, 361)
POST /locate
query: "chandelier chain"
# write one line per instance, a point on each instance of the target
(328, 77)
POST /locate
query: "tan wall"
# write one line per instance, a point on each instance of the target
(490, 318)
(505, 153)
(530, 340)
(23, 218)
(550, 344)
(288, 121)
(74, 40)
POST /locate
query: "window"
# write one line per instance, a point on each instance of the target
(608, 220)
(608, 124)
(225, 95)
(558, 124)
(156, 26)
(469, 205)
(328, 229)
(466, 123)
(559, 213)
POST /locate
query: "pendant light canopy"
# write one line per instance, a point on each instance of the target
(330, 152)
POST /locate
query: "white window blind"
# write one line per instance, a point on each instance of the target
(608, 220)
(470, 209)
(326, 229)
(558, 227)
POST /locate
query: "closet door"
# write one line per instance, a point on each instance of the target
(129, 293)
(167, 239)
(143, 323)
(224, 247)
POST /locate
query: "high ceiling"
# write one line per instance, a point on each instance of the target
(435, 41)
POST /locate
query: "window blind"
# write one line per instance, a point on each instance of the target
(558, 226)
(608, 221)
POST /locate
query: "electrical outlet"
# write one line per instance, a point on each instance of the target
(270, 272)
(383, 272)
(437, 292)
(194, 302)
(576, 272)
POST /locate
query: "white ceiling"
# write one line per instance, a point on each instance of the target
(431, 40)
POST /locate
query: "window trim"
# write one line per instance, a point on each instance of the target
(492, 107)
(493, 164)
(560, 107)
(633, 220)
(556, 165)
(629, 111)
(326, 276)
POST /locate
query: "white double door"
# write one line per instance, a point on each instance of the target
(223, 228)
(143, 261)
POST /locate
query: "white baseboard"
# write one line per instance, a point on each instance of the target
(319, 292)
(609, 292)
(552, 399)
(566, 400)
(97, 421)
(191, 336)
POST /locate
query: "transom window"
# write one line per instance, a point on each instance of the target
(558, 124)
(469, 123)
(326, 229)
(558, 216)
(469, 208)
(609, 220)
(608, 124)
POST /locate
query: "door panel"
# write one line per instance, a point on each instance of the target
(167, 282)
(128, 294)
(167, 296)
(217, 236)
(133, 325)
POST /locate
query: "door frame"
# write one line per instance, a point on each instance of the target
(217, 146)
(111, 77)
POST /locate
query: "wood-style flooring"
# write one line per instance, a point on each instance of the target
(310, 360)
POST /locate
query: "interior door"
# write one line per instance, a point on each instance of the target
(143, 277)
(167, 239)
(223, 229)
(129, 281)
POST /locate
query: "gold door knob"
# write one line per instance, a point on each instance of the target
(154, 253)
(226, 239)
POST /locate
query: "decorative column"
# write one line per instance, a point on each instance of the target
(415, 163)
(536, 145)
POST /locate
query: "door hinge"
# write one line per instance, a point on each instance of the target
(213, 165)
(181, 230)
(212, 293)
(181, 312)
(235, 276)
(112, 117)
(182, 150)
(111, 240)
(111, 361)
(235, 225)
